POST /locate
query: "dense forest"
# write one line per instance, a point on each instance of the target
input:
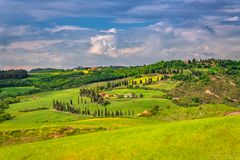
(13, 74)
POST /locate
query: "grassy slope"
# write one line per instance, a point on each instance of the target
(140, 134)
(14, 91)
(150, 98)
(30, 132)
(203, 111)
(39, 118)
(212, 138)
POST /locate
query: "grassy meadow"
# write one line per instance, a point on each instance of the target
(205, 139)
(173, 132)
(16, 91)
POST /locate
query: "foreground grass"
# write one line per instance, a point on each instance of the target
(212, 138)
(30, 132)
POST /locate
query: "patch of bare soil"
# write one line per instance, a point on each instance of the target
(233, 113)
(211, 93)
(145, 113)
(35, 97)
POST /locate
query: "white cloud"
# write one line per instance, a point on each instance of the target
(21, 30)
(32, 45)
(149, 9)
(234, 9)
(111, 30)
(233, 19)
(128, 20)
(68, 28)
(161, 27)
(107, 45)
(103, 45)
(133, 50)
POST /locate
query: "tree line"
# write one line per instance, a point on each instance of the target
(69, 107)
(13, 74)
(228, 67)
(93, 95)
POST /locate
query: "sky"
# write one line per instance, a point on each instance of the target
(70, 33)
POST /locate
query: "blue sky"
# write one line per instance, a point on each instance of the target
(69, 33)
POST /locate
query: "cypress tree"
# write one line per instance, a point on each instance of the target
(98, 113)
(95, 114)
(105, 112)
(120, 113)
(54, 102)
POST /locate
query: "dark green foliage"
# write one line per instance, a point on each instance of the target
(154, 110)
(105, 111)
(3, 115)
(182, 77)
(98, 113)
(94, 96)
(42, 70)
(13, 74)
(75, 79)
(33, 109)
(3, 105)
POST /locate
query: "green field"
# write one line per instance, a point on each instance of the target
(173, 132)
(44, 99)
(213, 138)
(16, 91)
(168, 110)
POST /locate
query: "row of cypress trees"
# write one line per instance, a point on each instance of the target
(68, 107)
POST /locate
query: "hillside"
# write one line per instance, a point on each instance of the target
(188, 110)
(213, 138)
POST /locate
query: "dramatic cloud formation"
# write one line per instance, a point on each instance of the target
(107, 45)
(103, 44)
(63, 34)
